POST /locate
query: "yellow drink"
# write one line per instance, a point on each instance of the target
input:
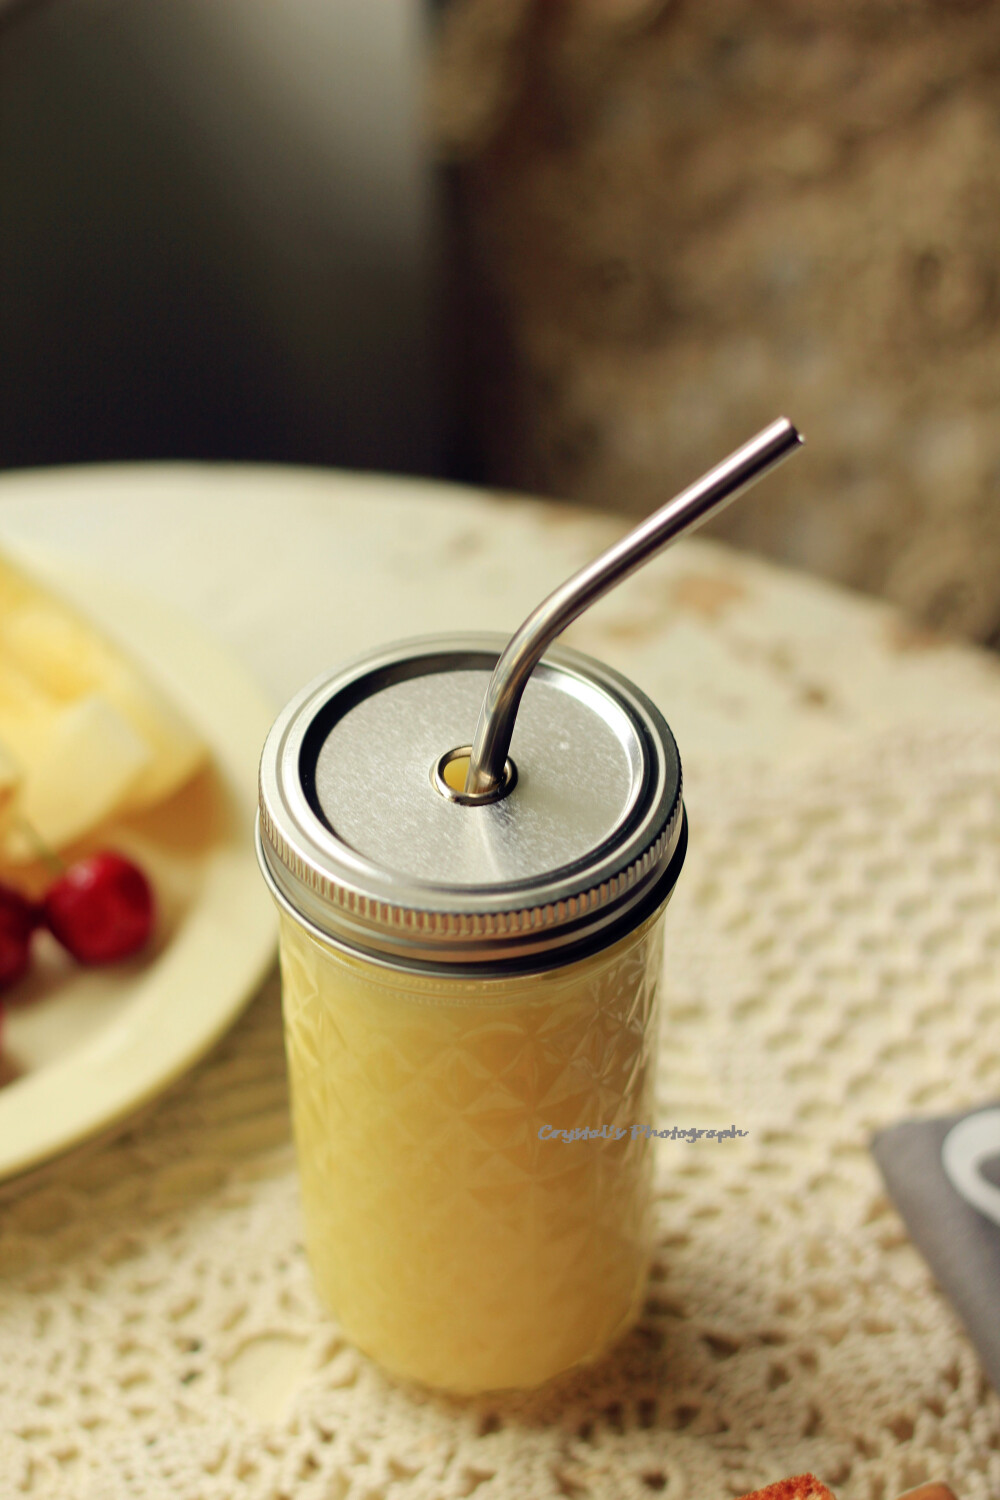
(470, 1004)
(458, 1241)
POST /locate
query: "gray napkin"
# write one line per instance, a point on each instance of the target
(944, 1176)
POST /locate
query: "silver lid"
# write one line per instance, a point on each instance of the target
(360, 839)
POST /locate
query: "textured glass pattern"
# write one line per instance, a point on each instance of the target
(454, 1245)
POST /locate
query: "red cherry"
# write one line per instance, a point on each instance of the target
(101, 909)
(18, 920)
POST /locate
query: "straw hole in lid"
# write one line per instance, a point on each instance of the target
(448, 775)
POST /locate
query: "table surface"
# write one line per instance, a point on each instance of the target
(792, 702)
(298, 569)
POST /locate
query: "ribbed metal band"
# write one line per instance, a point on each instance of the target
(409, 924)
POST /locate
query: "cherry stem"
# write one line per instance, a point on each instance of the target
(48, 856)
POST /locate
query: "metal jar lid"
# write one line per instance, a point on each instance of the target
(362, 841)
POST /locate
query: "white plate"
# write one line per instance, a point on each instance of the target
(81, 1048)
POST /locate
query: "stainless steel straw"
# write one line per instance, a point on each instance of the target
(700, 501)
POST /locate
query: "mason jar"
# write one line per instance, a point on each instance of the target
(470, 1004)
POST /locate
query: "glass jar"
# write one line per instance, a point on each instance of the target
(470, 1007)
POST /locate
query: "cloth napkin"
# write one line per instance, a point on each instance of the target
(944, 1176)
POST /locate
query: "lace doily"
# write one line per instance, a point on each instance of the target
(832, 965)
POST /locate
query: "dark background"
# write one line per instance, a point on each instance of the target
(218, 234)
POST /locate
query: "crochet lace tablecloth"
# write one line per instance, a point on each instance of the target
(832, 965)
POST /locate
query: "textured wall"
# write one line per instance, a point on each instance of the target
(683, 219)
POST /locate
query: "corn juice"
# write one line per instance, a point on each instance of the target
(457, 1237)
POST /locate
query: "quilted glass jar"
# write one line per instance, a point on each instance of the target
(469, 995)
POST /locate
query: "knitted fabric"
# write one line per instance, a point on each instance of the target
(832, 959)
